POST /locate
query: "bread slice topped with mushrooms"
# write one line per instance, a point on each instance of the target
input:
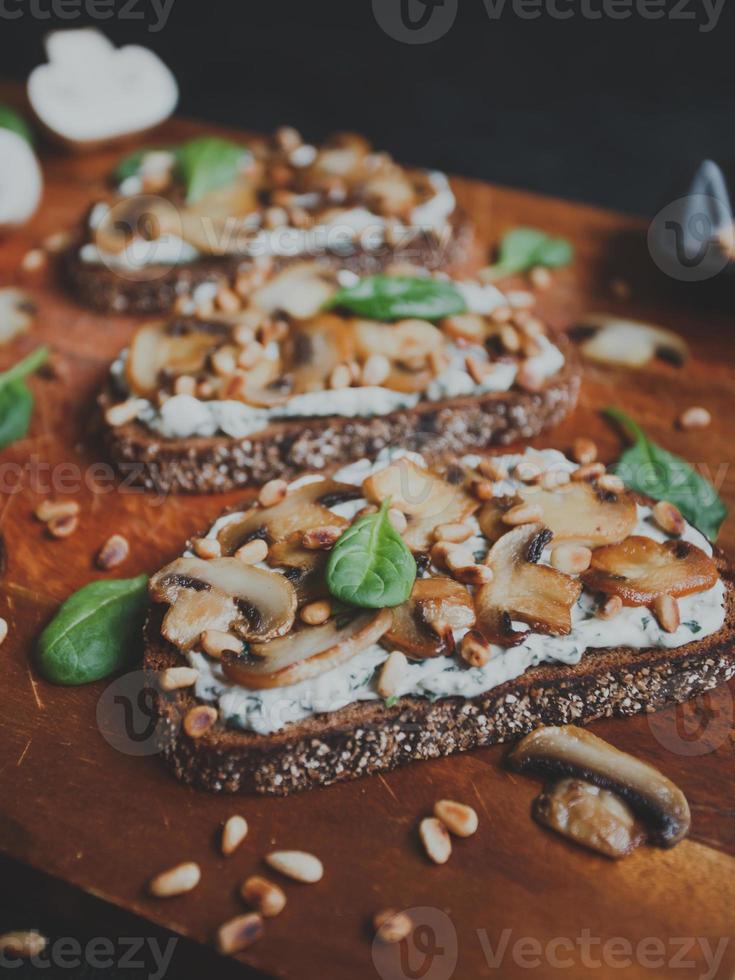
(344, 625)
(210, 211)
(320, 367)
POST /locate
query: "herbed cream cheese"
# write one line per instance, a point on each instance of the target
(268, 711)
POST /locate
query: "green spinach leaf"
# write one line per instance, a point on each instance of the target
(12, 120)
(652, 470)
(95, 632)
(399, 297)
(525, 248)
(206, 163)
(371, 565)
(16, 399)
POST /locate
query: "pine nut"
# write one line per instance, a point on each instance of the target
(57, 241)
(612, 606)
(571, 558)
(263, 895)
(435, 838)
(33, 260)
(666, 610)
(521, 299)
(531, 325)
(298, 865)
(477, 370)
(288, 138)
(206, 547)
(397, 519)
(324, 537)
(610, 483)
(588, 472)
(113, 552)
(217, 642)
(474, 649)
(392, 674)
(528, 470)
(252, 551)
(375, 370)
(48, 510)
(453, 533)
(234, 833)
(228, 300)
(493, 469)
(3, 629)
(23, 943)
(224, 362)
(482, 489)
(458, 557)
(199, 719)
(509, 338)
(540, 277)
(185, 385)
(553, 479)
(62, 527)
(392, 926)
(695, 417)
(459, 819)
(340, 377)
(584, 451)
(465, 326)
(250, 355)
(272, 493)
(501, 314)
(473, 574)
(124, 412)
(174, 678)
(316, 613)
(237, 934)
(179, 880)
(529, 378)
(668, 517)
(522, 514)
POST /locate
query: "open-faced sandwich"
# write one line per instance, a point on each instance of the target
(210, 209)
(310, 372)
(342, 626)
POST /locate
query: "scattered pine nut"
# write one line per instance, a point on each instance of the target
(206, 548)
(666, 610)
(263, 895)
(610, 483)
(23, 943)
(540, 277)
(588, 472)
(397, 519)
(228, 300)
(435, 838)
(522, 514)
(509, 338)
(62, 527)
(392, 926)
(252, 551)
(695, 417)
(224, 361)
(473, 574)
(33, 260)
(237, 934)
(199, 720)
(272, 493)
(458, 818)
(528, 471)
(234, 833)
(612, 606)
(455, 556)
(573, 559)
(174, 678)
(474, 649)
(669, 518)
(250, 355)
(321, 537)
(493, 469)
(501, 314)
(340, 377)
(124, 412)
(113, 552)
(453, 533)
(217, 642)
(50, 509)
(391, 674)
(179, 880)
(375, 370)
(298, 865)
(553, 479)
(316, 613)
(3, 629)
(57, 241)
(584, 451)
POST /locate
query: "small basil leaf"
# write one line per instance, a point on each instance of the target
(12, 120)
(524, 248)
(206, 163)
(16, 408)
(654, 471)
(25, 367)
(95, 632)
(399, 297)
(370, 565)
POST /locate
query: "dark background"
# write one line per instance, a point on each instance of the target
(609, 111)
(616, 112)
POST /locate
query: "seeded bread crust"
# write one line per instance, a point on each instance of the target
(220, 463)
(107, 291)
(368, 737)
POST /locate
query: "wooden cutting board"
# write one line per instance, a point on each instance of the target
(105, 820)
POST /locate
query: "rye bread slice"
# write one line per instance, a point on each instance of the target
(108, 291)
(368, 737)
(451, 426)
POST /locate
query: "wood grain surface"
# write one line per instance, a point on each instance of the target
(104, 820)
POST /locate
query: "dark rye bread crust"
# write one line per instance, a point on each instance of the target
(107, 291)
(452, 426)
(368, 737)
